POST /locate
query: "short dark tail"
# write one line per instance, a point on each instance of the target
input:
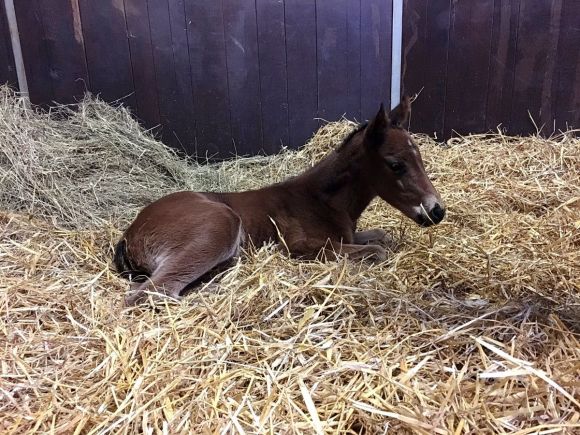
(124, 266)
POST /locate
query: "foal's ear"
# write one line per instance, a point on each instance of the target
(400, 114)
(377, 128)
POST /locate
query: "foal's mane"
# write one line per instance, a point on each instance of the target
(340, 172)
(336, 169)
(349, 137)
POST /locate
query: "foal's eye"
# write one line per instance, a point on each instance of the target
(396, 167)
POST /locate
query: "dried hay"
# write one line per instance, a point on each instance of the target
(468, 327)
(91, 163)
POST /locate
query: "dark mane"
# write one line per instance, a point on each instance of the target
(341, 175)
(348, 138)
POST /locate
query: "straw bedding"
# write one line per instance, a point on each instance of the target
(469, 327)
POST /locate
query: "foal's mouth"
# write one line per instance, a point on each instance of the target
(424, 222)
(433, 217)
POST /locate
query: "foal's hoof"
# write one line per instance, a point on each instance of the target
(137, 298)
(371, 237)
(378, 255)
(377, 235)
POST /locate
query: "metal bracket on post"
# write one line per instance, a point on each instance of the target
(396, 52)
(17, 50)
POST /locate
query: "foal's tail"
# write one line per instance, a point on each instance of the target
(124, 266)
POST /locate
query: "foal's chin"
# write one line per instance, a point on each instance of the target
(421, 220)
(424, 222)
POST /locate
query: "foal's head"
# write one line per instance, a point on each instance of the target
(395, 169)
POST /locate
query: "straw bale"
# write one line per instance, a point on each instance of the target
(468, 327)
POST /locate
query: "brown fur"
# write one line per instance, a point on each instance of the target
(183, 236)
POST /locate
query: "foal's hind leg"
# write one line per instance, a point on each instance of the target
(178, 270)
(171, 279)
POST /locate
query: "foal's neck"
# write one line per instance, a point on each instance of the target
(339, 182)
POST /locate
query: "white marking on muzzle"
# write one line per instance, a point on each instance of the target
(426, 206)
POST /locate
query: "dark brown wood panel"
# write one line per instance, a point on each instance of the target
(161, 41)
(425, 44)
(301, 69)
(233, 76)
(7, 66)
(243, 75)
(468, 66)
(538, 32)
(64, 42)
(52, 42)
(142, 63)
(210, 80)
(273, 77)
(220, 77)
(185, 132)
(34, 51)
(567, 98)
(502, 64)
(331, 36)
(107, 50)
(376, 19)
(353, 60)
(171, 62)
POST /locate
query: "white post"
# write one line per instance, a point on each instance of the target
(16, 49)
(396, 52)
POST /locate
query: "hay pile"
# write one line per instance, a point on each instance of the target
(468, 327)
(93, 163)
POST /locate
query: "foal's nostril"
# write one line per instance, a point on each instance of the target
(437, 213)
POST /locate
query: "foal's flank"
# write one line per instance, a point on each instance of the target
(181, 237)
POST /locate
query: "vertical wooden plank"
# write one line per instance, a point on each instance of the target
(143, 66)
(425, 45)
(302, 69)
(353, 60)
(7, 66)
(468, 66)
(186, 134)
(502, 64)
(107, 50)
(377, 22)
(243, 74)
(550, 79)
(331, 30)
(209, 74)
(164, 66)
(175, 97)
(64, 42)
(539, 26)
(567, 111)
(273, 77)
(34, 51)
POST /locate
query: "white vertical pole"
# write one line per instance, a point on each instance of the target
(16, 49)
(397, 43)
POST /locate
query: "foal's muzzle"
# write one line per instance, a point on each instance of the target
(436, 215)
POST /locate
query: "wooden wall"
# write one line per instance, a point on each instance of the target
(7, 67)
(237, 76)
(219, 76)
(479, 64)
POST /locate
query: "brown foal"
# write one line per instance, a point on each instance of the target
(181, 237)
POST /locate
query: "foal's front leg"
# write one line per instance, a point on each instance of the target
(364, 237)
(311, 249)
(358, 252)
